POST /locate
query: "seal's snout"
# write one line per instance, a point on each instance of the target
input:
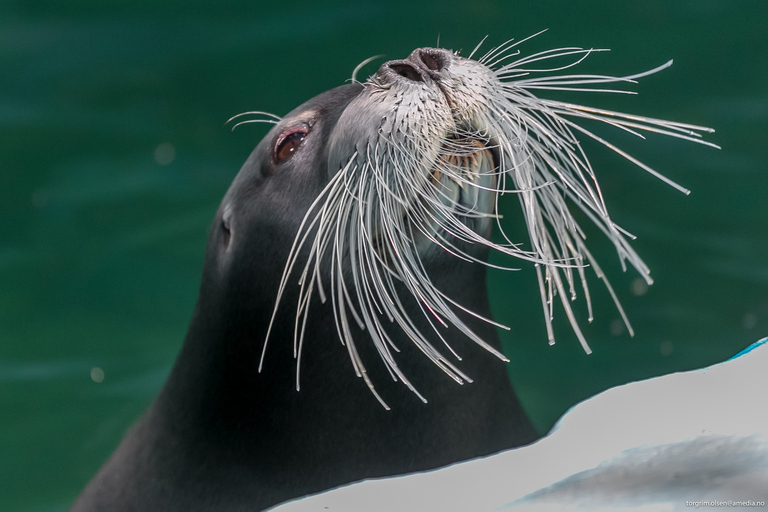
(420, 64)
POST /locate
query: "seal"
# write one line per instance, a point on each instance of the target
(370, 208)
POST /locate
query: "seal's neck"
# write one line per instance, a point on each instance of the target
(217, 408)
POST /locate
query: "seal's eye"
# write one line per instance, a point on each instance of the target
(288, 143)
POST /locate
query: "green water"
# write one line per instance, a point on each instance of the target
(114, 156)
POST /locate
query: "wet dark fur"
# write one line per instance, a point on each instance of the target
(223, 437)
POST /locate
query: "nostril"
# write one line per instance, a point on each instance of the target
(406, 71)
(433, 61)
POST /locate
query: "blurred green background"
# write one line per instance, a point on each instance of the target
(114, 156)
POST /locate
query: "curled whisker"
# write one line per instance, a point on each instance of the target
(266, 118)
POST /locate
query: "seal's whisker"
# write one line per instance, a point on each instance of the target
(497, 50)
(360, 66)
(572, 80)
(269, 118)
(254, 113)
(477, 47)
(268, 121)
(516, 66)
(671, 129)
(507, 46)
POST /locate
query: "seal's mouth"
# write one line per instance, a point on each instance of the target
(466, 170)
(464, 179)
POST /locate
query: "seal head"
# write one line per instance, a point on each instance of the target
(223, 435)
(369, 209)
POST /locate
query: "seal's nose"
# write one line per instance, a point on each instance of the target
(406, 70)
(421, 63)
(432, 59)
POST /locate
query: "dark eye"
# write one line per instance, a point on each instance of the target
(288, 143)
